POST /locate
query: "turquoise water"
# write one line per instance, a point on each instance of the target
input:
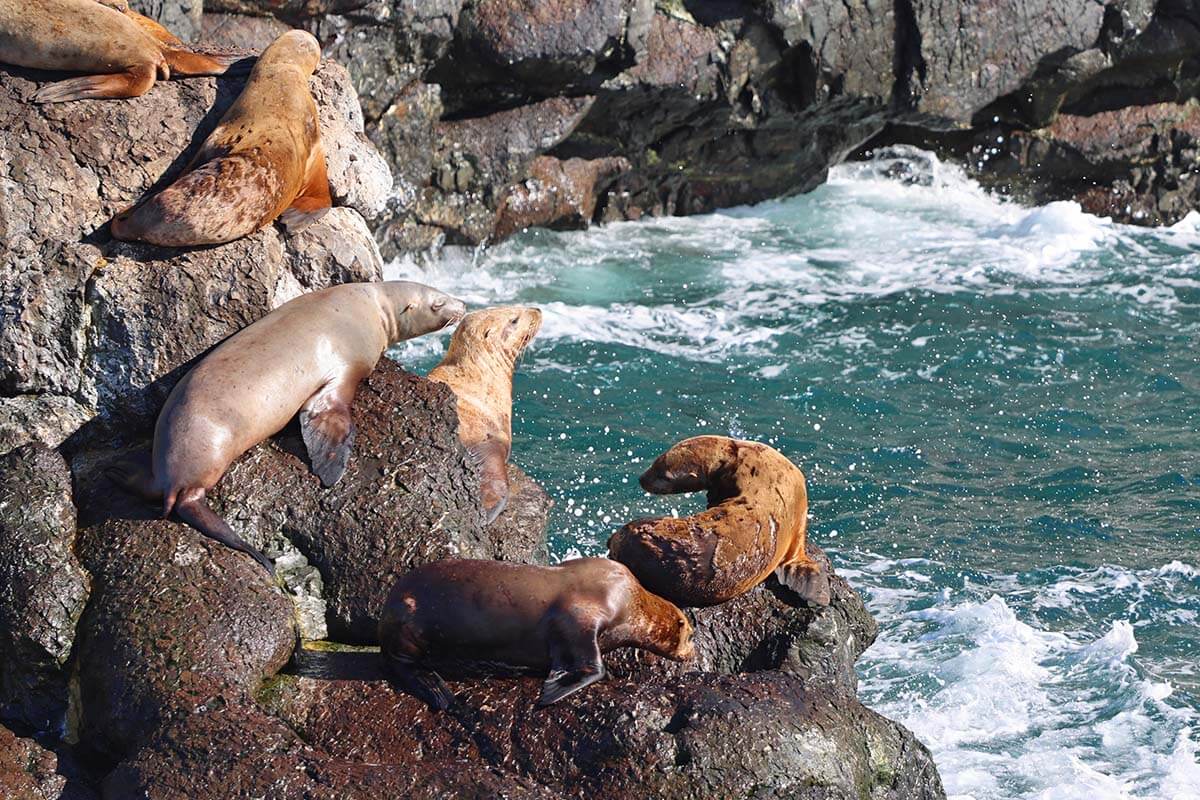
(997, 410)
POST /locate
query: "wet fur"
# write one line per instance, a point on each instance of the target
(522, 618)
(756, 523)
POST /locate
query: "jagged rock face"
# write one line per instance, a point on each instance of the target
(42, 587)
(180, 17)
(88, 325)
(519, 533)
(30, 772)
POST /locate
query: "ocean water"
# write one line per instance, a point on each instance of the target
(997, 408)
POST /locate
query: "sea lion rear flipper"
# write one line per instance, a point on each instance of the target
(314, 199)
(195, 512)
(575, 660)
(133, 83)
(135, 474)
(807, 579)
(148, 25)
(423, 684)
(328, 432)
(189, 64)
(492, 458)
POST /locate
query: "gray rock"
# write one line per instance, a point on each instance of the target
(42, 587)
(29, 771)
(43, 418)
(180, 17)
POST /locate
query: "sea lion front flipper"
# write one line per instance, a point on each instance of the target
(328, 431)
(807, 579)
(133, 83)
(575, 660)
(314, 199)
(492, 457)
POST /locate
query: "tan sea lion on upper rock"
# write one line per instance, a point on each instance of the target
(126, 51)
(306, 356)
(523, 617)
(756, 524)
(264, 161)
(479, 366)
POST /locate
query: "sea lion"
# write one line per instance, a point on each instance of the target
(523, 618)
(306, 356)
(756, 524)
(127, 51)
(264, 160)
(479, 366)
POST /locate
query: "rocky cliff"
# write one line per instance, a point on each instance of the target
(498, 115)
(140, 659)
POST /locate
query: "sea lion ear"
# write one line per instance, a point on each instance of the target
(408, 308)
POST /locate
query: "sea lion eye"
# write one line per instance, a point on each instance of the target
(439, 304)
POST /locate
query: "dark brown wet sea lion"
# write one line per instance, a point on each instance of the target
(479, 367)
(264, 161)
(521, 617)
(124, 51)
(756, 524)
(306, 356)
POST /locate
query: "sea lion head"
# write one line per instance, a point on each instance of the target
(299, 48)
(670, 634)
(701, 463)
(413, 309)
(506, 330)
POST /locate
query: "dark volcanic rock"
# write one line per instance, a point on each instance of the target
(30, 772)
(42, 587)
(519, 533)
(695, 735)
(176, 623)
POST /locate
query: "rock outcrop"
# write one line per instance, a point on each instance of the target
(613, 110)
(43, 588)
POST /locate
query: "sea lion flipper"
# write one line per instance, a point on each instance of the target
(314, 199)
(148, 25)
(195, 512)
(492, 457)
(575, 660)
(328, 432)
(133, 83)
(423, 684)
(807, 579)
(188, 63)
(135, 474)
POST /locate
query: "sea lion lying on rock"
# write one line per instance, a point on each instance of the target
(523, 617)
(126, 51)
(479, 366)
(755, 525)
(306, 356)
(263, 162)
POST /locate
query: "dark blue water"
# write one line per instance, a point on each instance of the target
(997, 409)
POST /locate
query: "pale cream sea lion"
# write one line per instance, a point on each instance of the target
(306, 356)
(124, 51)
(479, 366)
(523, 618)
(264, 161)
(756, 524)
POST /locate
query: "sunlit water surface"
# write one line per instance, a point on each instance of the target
(997, 409)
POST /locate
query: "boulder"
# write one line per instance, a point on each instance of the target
(695, 735)
(42, 587)
(176, 624)
(28, 771)
(43, 418)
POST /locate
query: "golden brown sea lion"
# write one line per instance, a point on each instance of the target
(756, 524)
(521, 617)
(263, 161)
(479, 367)
(125, 50)
(306, 356)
